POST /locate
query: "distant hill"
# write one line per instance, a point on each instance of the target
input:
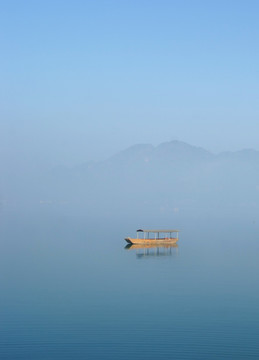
(171, 179)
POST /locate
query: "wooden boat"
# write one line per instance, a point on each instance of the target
(144, 238)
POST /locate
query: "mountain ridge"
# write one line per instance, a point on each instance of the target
(165, 180)
(173, 152)
(181, 148)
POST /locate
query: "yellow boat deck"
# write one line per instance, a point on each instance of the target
(145, 239)
(151, 241)
(150, 246)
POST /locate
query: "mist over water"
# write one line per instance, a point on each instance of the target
(70, 288)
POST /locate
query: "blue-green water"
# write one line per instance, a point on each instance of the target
(70, 290)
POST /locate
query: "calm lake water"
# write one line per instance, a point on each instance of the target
(70, 290)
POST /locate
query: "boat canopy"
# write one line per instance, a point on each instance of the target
(158, 231)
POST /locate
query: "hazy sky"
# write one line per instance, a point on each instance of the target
(81, 80)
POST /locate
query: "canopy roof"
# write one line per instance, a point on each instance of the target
(157, 231)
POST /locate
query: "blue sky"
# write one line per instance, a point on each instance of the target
(81, 80)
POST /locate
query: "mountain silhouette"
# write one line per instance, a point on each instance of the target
(165, 180)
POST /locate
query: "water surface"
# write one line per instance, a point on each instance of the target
(70, 290)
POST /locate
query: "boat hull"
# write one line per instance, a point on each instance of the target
(162, 241)
(150, 246)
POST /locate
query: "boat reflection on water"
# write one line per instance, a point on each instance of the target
(145, 251)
